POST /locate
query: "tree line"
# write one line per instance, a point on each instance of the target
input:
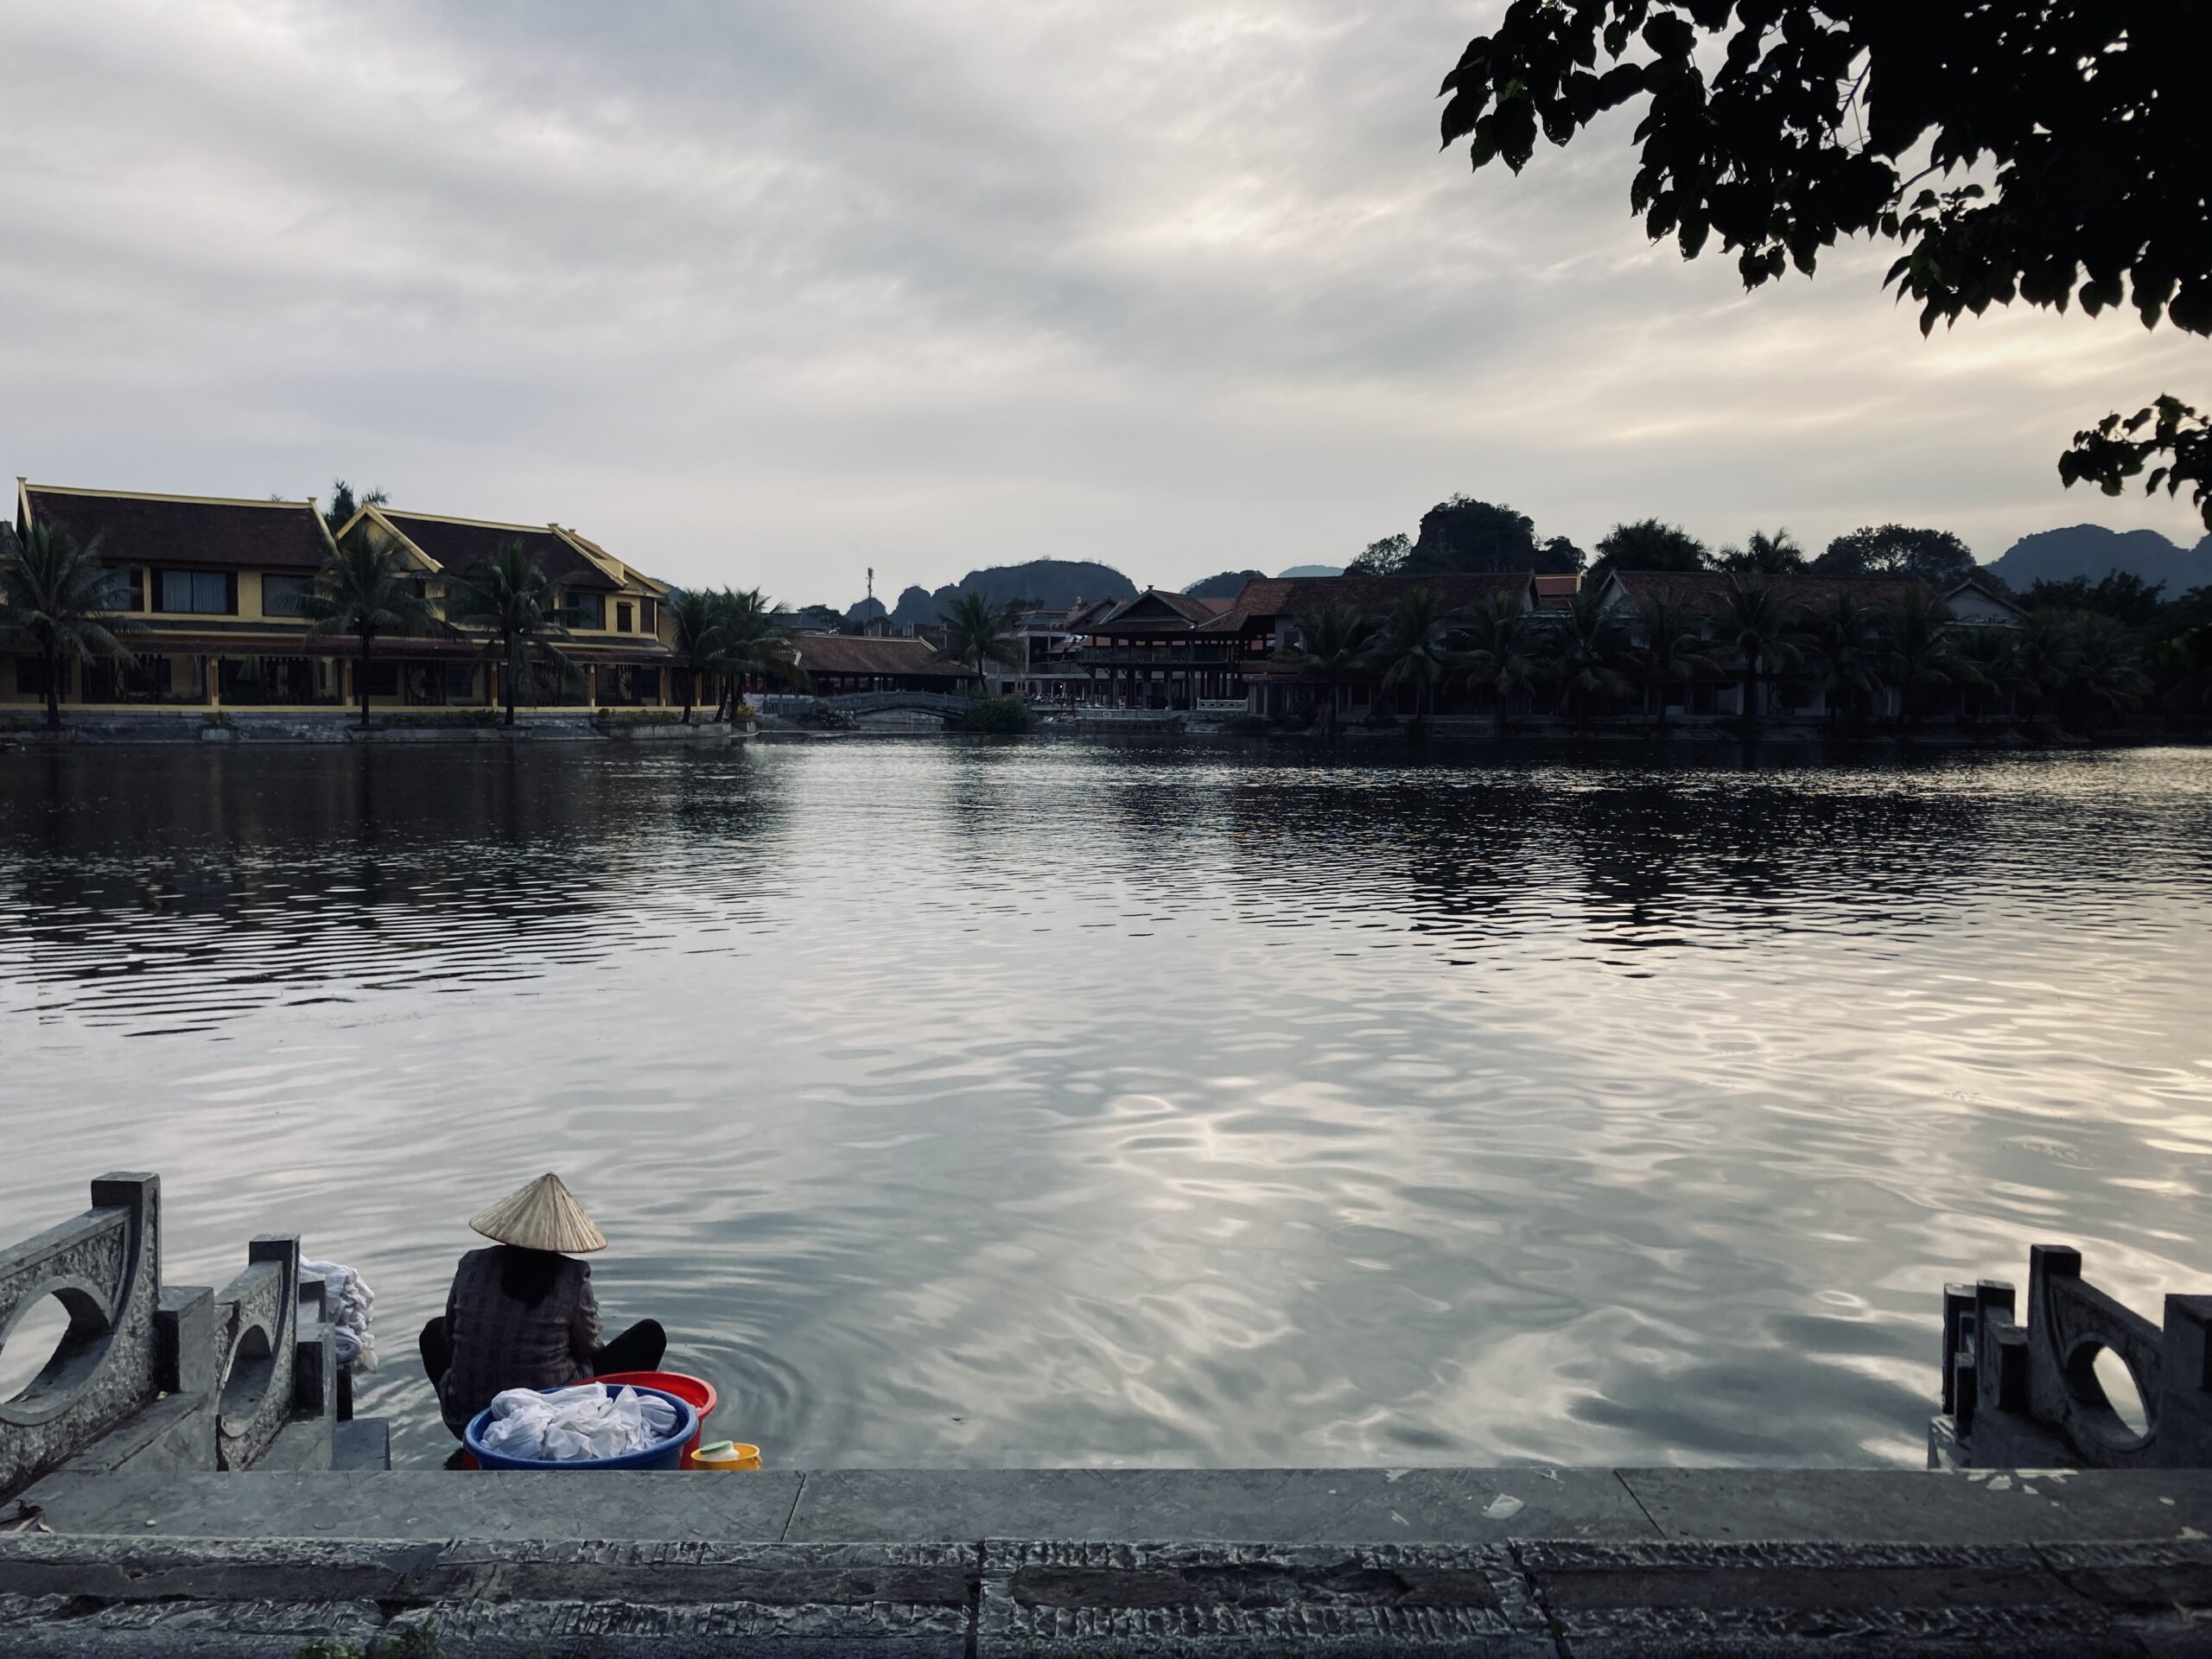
(1463, 534)
(2073, 666)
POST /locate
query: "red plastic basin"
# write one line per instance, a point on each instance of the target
(695, 1391)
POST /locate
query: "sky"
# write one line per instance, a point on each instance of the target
(775, 293)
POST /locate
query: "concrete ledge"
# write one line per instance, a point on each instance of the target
(1273, 1506)
(1287, 1506)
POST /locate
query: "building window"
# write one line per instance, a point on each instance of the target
(623, 615)
(381, 679)
(126, 589)
(647, 622)
(583, 611)
(281, 595)
(461, 682)
(199, 592)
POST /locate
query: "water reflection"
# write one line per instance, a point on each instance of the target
(1088, 1103)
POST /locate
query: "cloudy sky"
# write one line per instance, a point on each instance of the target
(773, 292)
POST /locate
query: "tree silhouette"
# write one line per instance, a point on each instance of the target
(2085, 117)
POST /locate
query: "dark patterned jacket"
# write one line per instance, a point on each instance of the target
(499, 1342)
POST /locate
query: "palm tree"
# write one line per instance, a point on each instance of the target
(1916, 631)
(57, 598)
(2044, 653)
(695, 618)
(2103, 673)
(753, 641)
(1985, 665)
(1672, 649)
(1763, 554)
(363, 589)
(1415, 644)
(1332, 647)
(978, 632)
(1759, 633)
(1507, 641)
(1583, 652)
(510, 599)
(1845, 637)
(2187, 658)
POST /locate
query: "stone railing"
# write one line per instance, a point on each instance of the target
(2029, 1395)
(164, 1377)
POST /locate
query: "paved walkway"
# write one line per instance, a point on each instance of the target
(986, 1562)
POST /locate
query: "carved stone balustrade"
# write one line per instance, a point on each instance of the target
(164, 1379)
(2028, 1395)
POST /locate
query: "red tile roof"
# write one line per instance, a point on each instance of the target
(1370, 596)
(456, 543)
(1706, 589)
(185, 530)
(843, 653)
(1183, 606)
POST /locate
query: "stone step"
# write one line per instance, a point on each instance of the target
(110, 1597)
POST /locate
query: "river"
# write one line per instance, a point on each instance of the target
(1064, 1102)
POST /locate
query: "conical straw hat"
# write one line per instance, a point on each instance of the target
(542, 1216)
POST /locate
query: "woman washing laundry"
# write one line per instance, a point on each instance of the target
(520, 1315)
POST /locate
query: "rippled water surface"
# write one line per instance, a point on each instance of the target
(1068, 1103)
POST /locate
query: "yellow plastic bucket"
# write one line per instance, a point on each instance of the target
(727, 1454)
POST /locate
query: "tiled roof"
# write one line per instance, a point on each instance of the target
(185, 530)
(1183, 607)
(456, 543)
(843, 653)
(1988, 591)
(1706, 589)
(1370, 596)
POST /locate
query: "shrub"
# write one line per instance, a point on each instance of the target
(1001, 715)
(1247, 723)
(640, 716)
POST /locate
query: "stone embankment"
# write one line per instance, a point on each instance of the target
(270, 728)
(183, 1478)
(1521, 1561)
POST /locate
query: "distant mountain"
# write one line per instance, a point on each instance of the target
(1053, 584)
(2092, 550)
(1227, 585)
(867, 610)
(1315, 570)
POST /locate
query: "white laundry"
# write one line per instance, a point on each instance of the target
(346, 1305)
(570, 1425)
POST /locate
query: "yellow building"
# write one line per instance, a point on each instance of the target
(612, 611)
(210, 583)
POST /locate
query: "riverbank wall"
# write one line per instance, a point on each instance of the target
(179, 1480)
(260, 728)
(1054, 1564)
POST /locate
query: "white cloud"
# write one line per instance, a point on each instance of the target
(775, 292)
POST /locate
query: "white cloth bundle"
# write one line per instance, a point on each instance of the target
(346, 1304)
(572, 1424)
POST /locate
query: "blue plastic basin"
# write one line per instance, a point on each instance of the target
(662, 1454)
